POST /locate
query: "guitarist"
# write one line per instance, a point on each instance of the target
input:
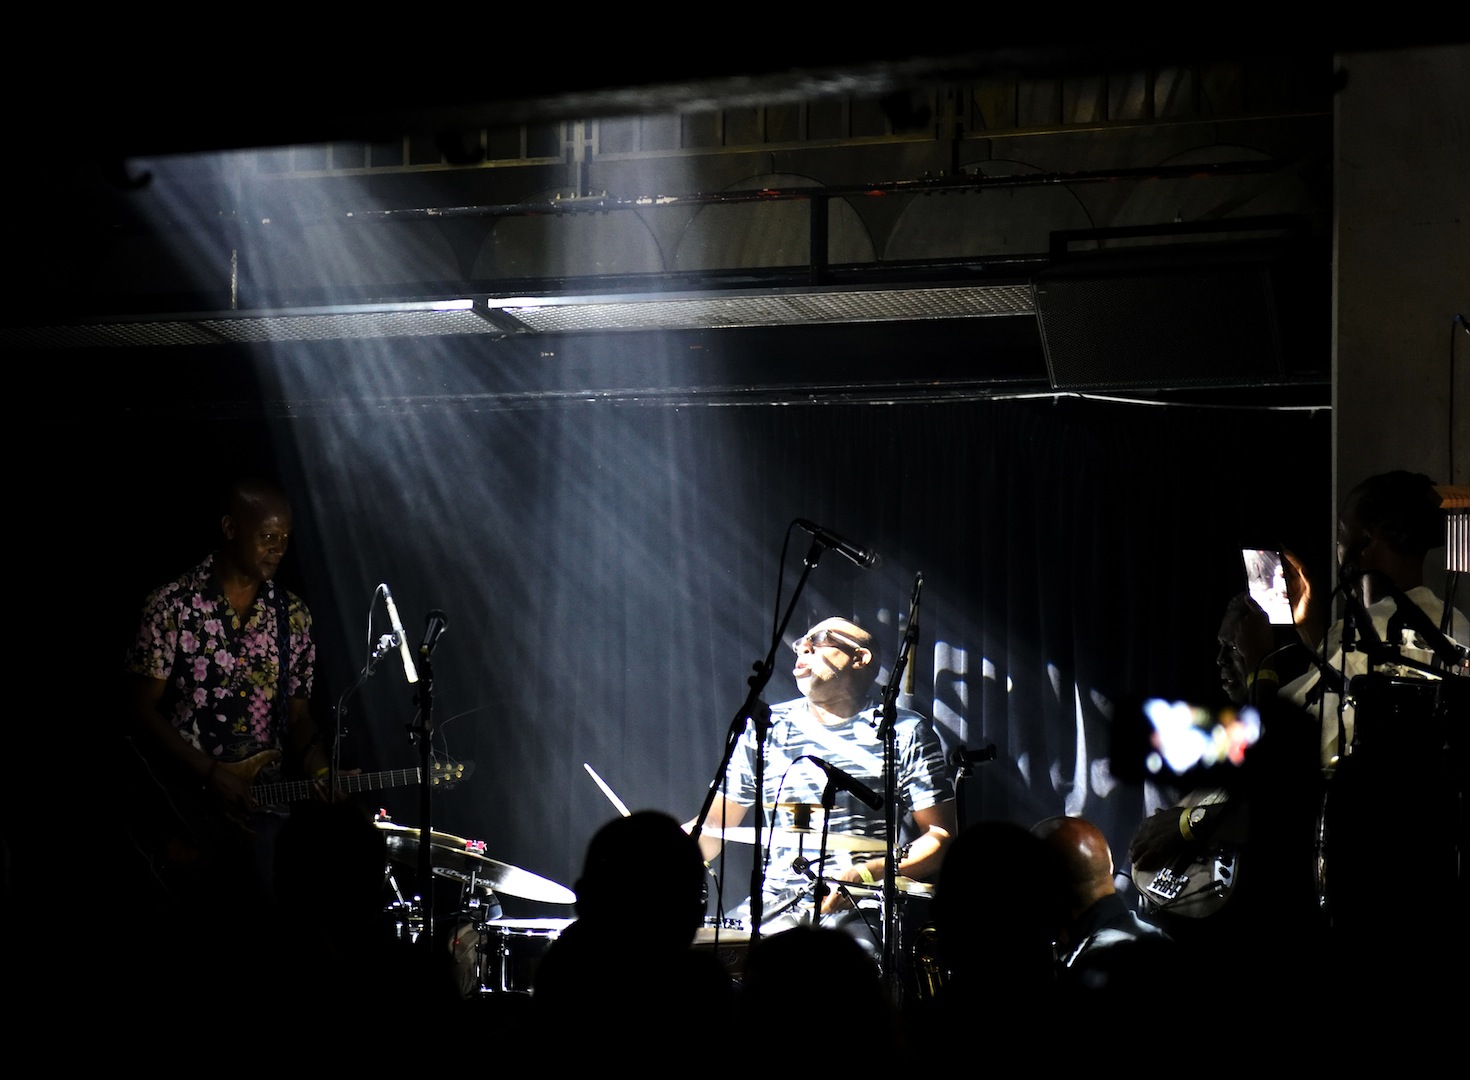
(1200, 816)
(219, 680)
(1261, 815)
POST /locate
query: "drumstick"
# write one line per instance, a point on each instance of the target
(612, 797)
(622, 809)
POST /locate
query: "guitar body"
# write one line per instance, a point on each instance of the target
(1190, 887)
(173, 820)
(1198, 882)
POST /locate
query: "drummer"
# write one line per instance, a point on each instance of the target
(835, 720)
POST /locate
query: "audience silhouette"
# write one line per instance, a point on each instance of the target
(626, 968)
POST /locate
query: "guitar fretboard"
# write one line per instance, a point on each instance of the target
(284, 791)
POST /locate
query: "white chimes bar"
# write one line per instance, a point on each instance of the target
(1454, 499)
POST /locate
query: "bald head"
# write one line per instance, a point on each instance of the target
(836, 663)
(851, 635)
(1086, 858)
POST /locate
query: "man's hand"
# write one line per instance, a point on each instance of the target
(231, 788)
(337, 794)
(1157, 841)
(1306, 610)
(837, 900)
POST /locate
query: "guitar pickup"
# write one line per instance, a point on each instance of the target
(1168, 884)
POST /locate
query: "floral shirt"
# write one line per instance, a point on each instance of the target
(222, 668)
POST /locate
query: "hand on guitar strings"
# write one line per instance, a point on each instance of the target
(1157, 840)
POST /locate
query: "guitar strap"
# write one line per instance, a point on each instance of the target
(277, 601)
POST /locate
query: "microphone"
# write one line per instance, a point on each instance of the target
(867, 558)
(409, 671)
(434, 625)
(846, 782)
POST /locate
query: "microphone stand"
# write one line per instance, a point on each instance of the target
(888, 733)
(829, 801)
(755, 711)
(424, 731)
(334, 760)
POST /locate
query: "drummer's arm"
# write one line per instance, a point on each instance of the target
(722, 815)
(921, 862)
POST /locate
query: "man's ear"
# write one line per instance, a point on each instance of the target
(227, 526)
(862, 658)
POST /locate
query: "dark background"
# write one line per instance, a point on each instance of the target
(609, 571)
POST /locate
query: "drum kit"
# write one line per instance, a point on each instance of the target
(492, 954)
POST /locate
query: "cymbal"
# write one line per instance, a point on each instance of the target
(451, 856)
(807, 838)
(410, 834)
(907, 886)
(468, 881)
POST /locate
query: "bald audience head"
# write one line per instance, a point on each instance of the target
(1086, 858)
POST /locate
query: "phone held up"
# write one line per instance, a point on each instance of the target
(1265, 580)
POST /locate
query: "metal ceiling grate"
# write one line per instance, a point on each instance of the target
(722, 311)
(252, 327)
(540, 315)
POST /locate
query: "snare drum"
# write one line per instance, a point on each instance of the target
(510, 950)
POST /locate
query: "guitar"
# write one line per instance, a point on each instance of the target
(1198, 882)
(281, 792)
(180, 822)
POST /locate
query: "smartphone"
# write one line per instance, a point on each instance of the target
(1265, 580)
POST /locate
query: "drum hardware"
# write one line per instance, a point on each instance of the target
(805, 817)
(407, 919)
(929, 973)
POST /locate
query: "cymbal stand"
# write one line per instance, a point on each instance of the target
(409, 913)
(887, 731)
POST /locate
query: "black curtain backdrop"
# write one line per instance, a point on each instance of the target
(610, 572)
